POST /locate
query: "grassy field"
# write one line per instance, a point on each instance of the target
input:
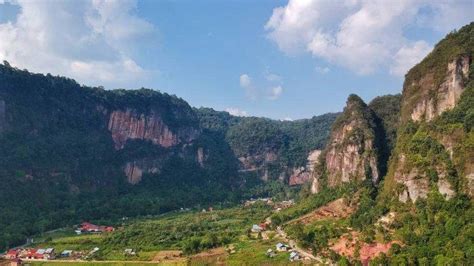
(201, 235)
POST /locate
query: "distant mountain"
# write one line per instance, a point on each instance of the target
(271, 149)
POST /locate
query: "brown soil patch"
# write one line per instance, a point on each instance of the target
(215, 256)
(344, 246)
(335, 209)
(169, 256)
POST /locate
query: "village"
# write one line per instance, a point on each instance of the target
(263, 230)
(17, 256)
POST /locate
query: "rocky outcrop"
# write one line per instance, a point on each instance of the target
(130, 124)
(3, 124)
(299, 176)
(430, 152)
(429, 101)
(312, 159)
(135, 170)
(258, 163)
(351, 154)
(302, 175)
(201, 157)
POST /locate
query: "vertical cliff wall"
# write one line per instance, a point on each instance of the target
(130, 124)
(423, 99)
(434, 147)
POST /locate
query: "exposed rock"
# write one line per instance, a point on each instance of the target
(200, 156)
(470, 184)
(299, 176)
(129, 124)
(431, 101)
(445, 188)
(2, 116)
(313, 158)
(135, 170)
(258, 163)
(351, 153)
(133, 173)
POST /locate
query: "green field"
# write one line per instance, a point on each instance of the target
(191, 232)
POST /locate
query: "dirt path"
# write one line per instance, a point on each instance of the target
(294, 246)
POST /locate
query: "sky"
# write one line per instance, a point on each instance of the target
(280, 59)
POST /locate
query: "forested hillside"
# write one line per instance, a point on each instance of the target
(70, 153)
(270, 149)
(419, 210)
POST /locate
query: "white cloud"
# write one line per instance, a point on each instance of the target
(322, 70)
(91, 41)
(236, 111)
(275, 93)
(245, 80)
(246, 83)
(363, 36)
(254, 92)
(409, 56)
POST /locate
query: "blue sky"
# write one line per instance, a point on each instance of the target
(279, 59)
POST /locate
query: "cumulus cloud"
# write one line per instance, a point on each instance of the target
(91, 41)
(254, 92)
(363, 36)
(275, 93)
(408, 56)
(236, 111)
(246, 83)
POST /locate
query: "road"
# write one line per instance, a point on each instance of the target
(294, 246)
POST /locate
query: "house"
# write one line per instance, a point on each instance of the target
(49, 254)
(294, 256)
(39, 254)
(94, 250)
(92, 228)
(66, 253)
(270, 253)
(129, 252)
(12, 254)
(281, 247)
(256, 228)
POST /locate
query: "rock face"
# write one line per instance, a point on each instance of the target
(258, 163)
(432, 101)
(2, 116)
(434, 152)
(302, 175)
(129, 124)
(135, 170)
(351, 154)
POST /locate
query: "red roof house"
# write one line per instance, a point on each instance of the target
(12, 254)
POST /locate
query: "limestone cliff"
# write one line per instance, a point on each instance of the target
(351, 154)
(424, 99)
(434, 147)
(302, 175)
(135, 170)
(130, 124)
